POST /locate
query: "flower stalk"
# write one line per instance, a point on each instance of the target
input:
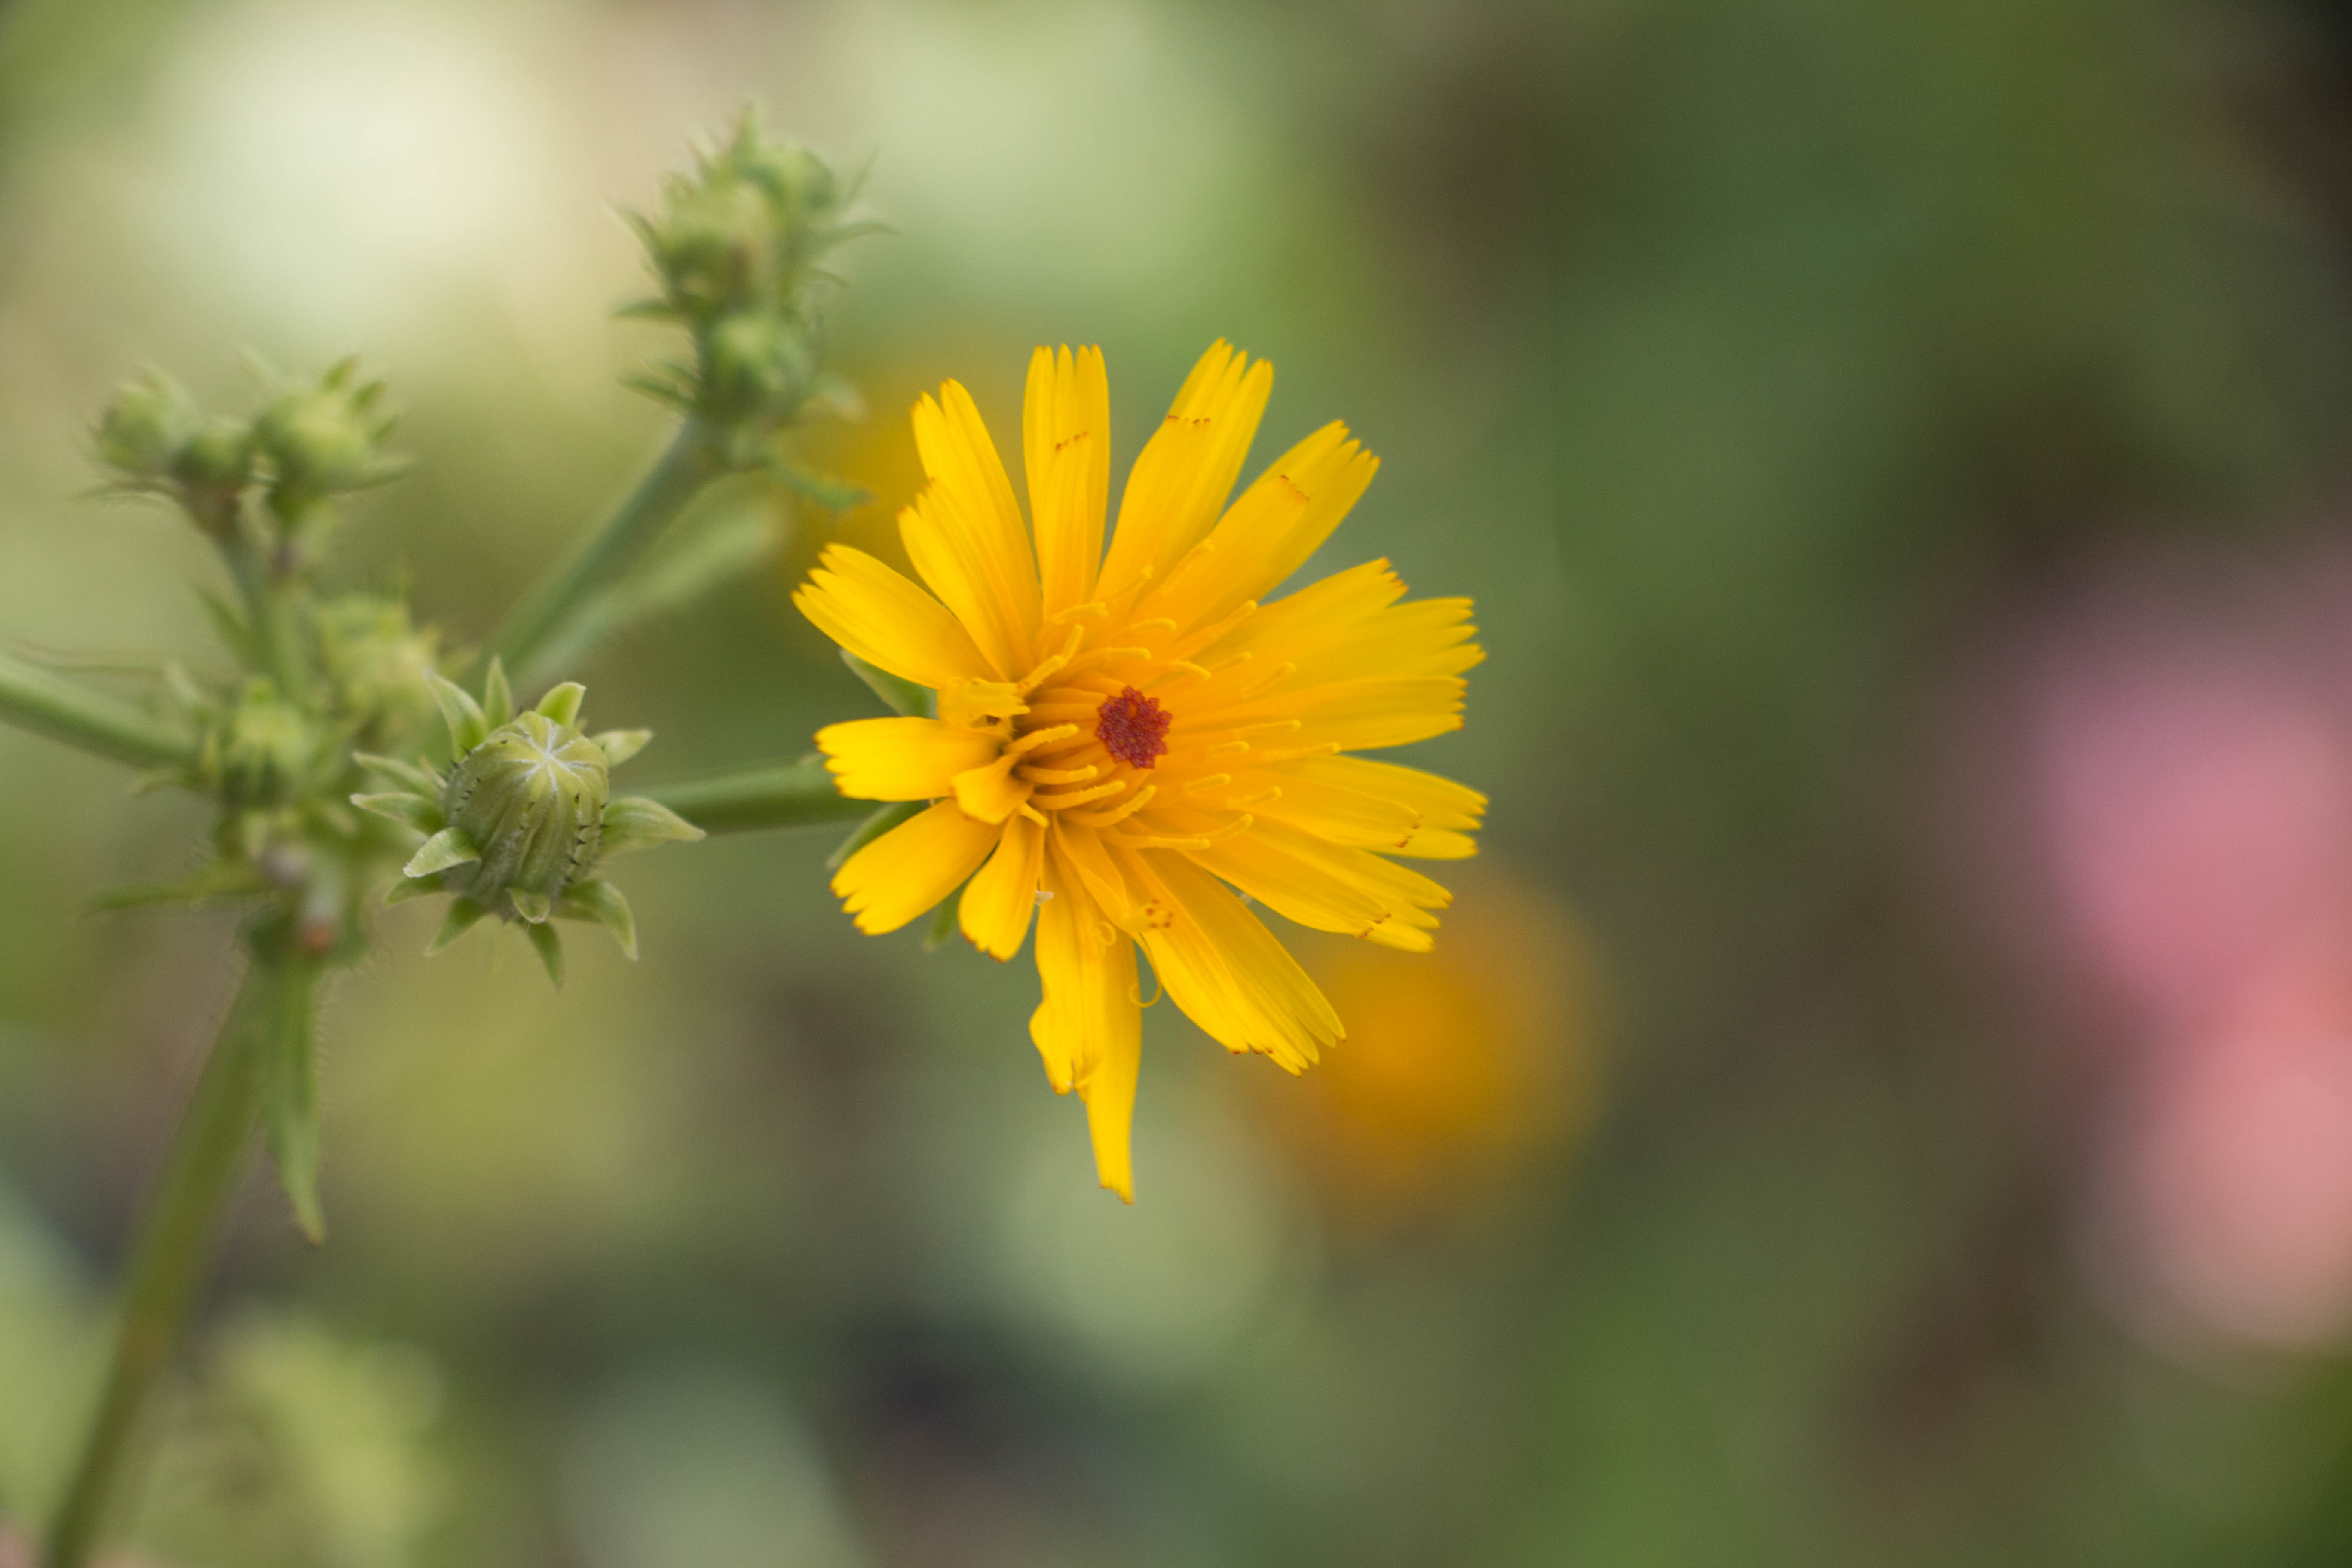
(49, 704)
(781, 795)
(168, 1261)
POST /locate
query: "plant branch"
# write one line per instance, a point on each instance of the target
(49, 704)
(776, 794)
(545, 614)
(175, 1237)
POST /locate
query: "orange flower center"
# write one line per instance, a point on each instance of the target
(1133, 728)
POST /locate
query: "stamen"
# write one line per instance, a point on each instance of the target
(1079, 797)
(1032, 812)
(1037, 737)
(1063, 618)
(1151, 625)
(1212, 782)
(1117, 813)
(1059, 775)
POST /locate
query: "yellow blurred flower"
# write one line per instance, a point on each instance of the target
(1119, 736)
(1462, 1067)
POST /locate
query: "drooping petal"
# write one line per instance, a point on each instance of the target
(973, 502)
(1328, 886)
(1448, 812)
(1221, 964)
(1065, 443)
(1088, 1028)
(903, 759)
(1001, 895)
(1181, 479)
(912, 867)
(887, 621)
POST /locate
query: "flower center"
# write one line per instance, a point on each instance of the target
(1133, 728)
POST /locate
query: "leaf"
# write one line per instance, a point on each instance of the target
(602, 903)
(422, 780)
(468, 728)
(408, 810)
(409, 887)
(874, 827)
(634, 822)
(498, 700)
(901, 695)
(549, 948)
(562, 703)
(289, 1065)
(463, 914)
(620, 745)
(443, 850)
(532, 907)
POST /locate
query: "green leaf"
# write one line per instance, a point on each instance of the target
(289, 1060)
(422, 780)
(468, 728)
(632, 822)
(874, 827)
(409, 887)
(443, 850)
(602, 903)
(531, 906)
(408, 810)
(620, 745)
(899, 694)
(562, 703)
(498, 700)
(464, 915)
(549, 948)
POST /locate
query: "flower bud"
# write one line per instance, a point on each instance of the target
(261, 751)
(323, 441)
(375, 660)
(145, 430)
(758, 365)
(530, 800)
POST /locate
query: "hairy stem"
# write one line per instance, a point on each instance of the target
(269, 612)
(545, 614)
(776, 794)
(168, 1261)
(49, 704)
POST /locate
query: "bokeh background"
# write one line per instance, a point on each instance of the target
(1883, 1096)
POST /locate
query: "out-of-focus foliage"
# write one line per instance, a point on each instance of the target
(1771, 371)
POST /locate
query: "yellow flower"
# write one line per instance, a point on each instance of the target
(1119, 736)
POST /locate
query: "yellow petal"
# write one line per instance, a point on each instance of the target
(1448, 812)
(1328, 886)
(888, 622)
(972, 503)
(1181, 479)
(1088, 1028)
(1065, 435)
(947, 556)
(1221, 964)
(912, 866)
(998, 901)
(1353, 715)
(902, 759)
(1278, 523)
(991, 794)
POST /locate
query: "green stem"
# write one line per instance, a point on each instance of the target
(175, 1243)
(690, 462)
(43, 702)
(270, 611)
(777, 794)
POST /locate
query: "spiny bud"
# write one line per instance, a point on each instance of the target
(323, 441)
(146, 427)
(519, 824)
(260, 751)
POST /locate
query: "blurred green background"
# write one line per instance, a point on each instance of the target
(1737, 1183)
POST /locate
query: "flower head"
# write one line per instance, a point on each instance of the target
(1118, 736)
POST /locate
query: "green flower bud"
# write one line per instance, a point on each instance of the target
(145, 430)
(376, 660)
(323, 441)
(261, 752)
(757, 365)
(218, 458)
(529, 801)
(714, 243)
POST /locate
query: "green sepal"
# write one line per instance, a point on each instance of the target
(409, 887)
(602, 903)
(943, 922)
(899, 694)
(463, 916)
(408, 810)
(443, 850)
(562, 703)
(531, 906)
(497, 698)
(634, 822)
(290, 1099)
(424, 781)
(620, 745)
(832, 495)
(874, 827)
(468, 727)
(549, 948)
